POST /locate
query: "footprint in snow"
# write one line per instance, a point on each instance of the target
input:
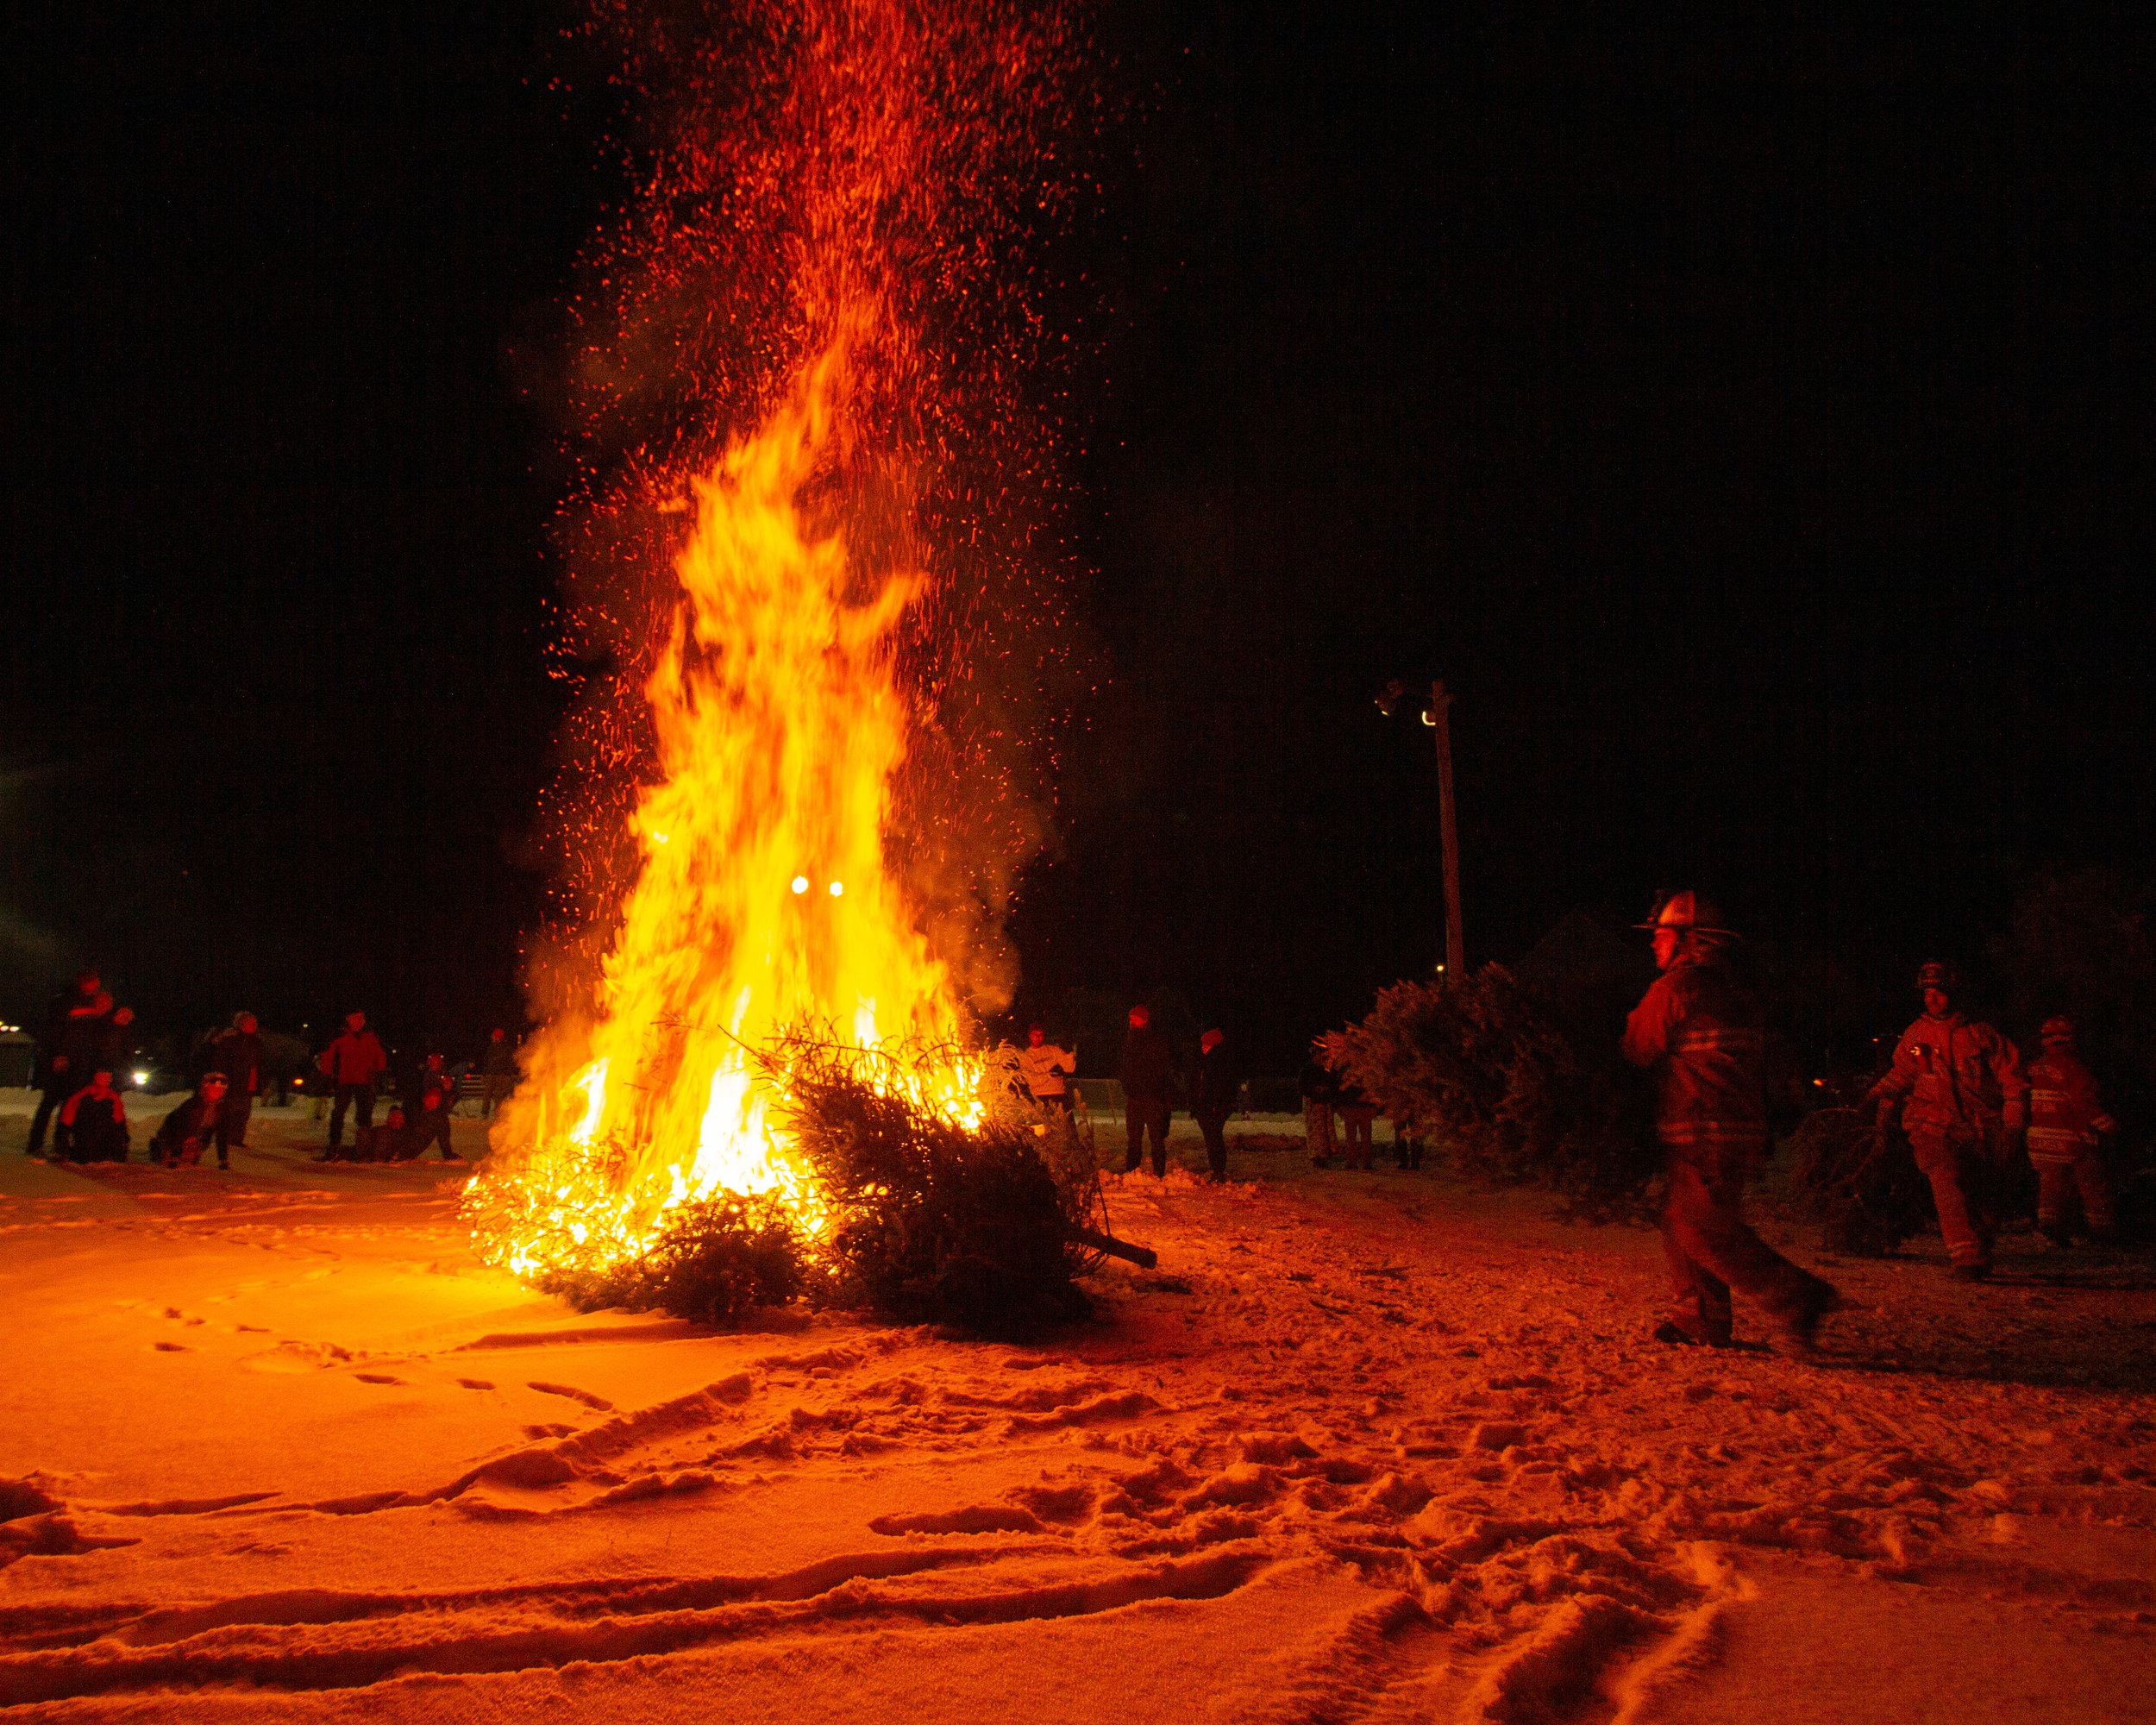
(598, 1402)
(377, 1378)
(170, 1347)
(473, 1384)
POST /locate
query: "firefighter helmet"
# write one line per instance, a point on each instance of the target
(2056, 1028)
(1939, 974)
(1687, 910)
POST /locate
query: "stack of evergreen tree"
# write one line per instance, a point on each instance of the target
(930, 1221)
(1479, 1066)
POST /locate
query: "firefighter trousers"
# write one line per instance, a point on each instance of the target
(1967, 1170)
(1712, 1249)
(2058, 1180)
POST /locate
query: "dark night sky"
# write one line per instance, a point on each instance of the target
(1756, 433)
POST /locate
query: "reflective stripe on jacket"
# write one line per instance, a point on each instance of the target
(1955, 1074)
(1699, 1029)
(2066, 1113)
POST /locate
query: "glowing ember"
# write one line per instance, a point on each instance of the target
(826, 825)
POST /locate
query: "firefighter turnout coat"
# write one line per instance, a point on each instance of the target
(2066, 1113)
(1700, 1031)
(1959, 1078)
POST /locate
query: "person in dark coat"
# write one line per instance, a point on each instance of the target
(1212, 1098)
(93, 1122)
(389, 1141)
(497, 1068)
(1148, 1073)
(77, 1025)
(1358, 1115)
(431, 1099)
(191, 1128)
(238, 1053)
(1321, 1090)
(351, 1063)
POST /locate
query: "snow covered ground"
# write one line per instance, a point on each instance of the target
(1364, 1447)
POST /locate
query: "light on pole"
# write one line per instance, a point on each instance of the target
(1437, 716)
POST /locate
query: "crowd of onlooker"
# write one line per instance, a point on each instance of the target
(82, 1108)
(1155, 1084)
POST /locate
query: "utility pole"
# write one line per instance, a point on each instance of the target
(1439, 720)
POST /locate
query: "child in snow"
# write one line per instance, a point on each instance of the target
(94, 1121)
(384, 1143)
(192, 1126)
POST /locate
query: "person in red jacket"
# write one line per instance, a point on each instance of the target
(1700, 1031)
(1958, 1084)
(351, 1063)
(94, 1121)
(2066, 1122)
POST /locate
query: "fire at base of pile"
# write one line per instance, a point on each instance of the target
(924, 1220)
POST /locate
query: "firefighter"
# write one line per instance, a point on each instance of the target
(1958, 1084)
(1699, 1030)
(2066, 1121)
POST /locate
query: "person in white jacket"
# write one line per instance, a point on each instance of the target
(1047, 1069)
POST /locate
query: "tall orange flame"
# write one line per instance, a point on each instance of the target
(842, 179)
(764, 901)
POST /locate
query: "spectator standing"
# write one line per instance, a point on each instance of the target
(351, 1063)
(431, 1099)
(191, 1128)
(238, 1053)
(1357, 1116)
(93, 1122)
(1321, 1089)
(1148, 1073)
(1212, 1098)
(1047, 1069)
(497, 1072)
(76, 1026)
